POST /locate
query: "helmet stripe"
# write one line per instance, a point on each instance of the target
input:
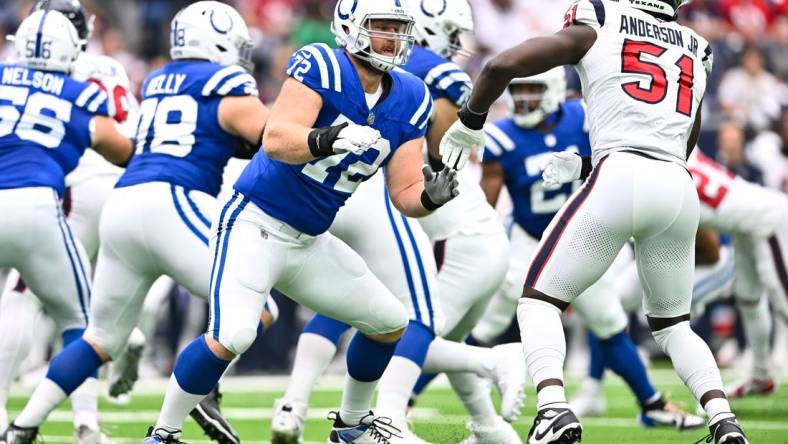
(40, 34)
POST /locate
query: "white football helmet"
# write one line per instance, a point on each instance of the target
(351, 26)
(439, 25)
(48, 41)
(549, 100)
(213, 31)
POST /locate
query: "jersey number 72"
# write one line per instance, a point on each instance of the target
(631, 62)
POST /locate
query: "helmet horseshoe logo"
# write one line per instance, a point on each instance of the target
(225, 29)
(346, 15)
(433, 11)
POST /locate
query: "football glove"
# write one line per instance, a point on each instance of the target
(458, 143)
(561, 167)
(439, 188)
(340, 139)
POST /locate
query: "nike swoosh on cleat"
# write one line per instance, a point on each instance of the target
(540, 435)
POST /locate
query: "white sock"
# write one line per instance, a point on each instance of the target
(475, 396)
(396, 386)
(496, 318)
(176, 407)
(544, 346)
(691, 358)
(18, 313)
(45, 399)
(313, 354)
(84, 404)
(757, 324)
(717, 409)
(356, 400)
(457, 357)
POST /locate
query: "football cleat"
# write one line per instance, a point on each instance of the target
(589, 401)
(19, 435)
(499, 432)
(124, 372)
(508, 373)
(725, 431)
(669, 414)
(406, 435)
(555, 425)
(209, 417)
(370, 430)
(162, 436)
(751, 386)
(288, 421)
(3, 417)
(85, 435)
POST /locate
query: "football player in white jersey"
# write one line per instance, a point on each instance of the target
(154, 221)
(635, 62)
(77, 115)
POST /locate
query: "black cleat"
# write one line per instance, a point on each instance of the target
(19, 435)
(555, 426)
(725, 431)
(208, 415)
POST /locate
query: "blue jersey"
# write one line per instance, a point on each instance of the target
(308, 196)
(522, 152)
(179, 139)
(444, 78)
(45, 121)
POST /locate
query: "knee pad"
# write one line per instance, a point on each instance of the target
(239, 340)
(386, 319)
(110, 342)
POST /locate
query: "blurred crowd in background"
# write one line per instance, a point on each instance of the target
(745, 107)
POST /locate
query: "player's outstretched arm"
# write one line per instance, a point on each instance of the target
(444, 115)
(292, 117)
(534, 56)
(413, 191)
(244, 117)
(109, 142)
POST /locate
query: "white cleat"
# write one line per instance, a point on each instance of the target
(85, 435)
(589, 401)
(3, 418)
(670, 415)
(406, 435)
(370, 430)
(288, 421)
(125, 371)
(509, 374)
(499, 432)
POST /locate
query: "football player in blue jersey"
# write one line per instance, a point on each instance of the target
(341, 115)
(541, 122)
(48, 120)
(196, 113)
(476, 236)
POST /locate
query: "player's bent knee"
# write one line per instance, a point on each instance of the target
(107, 346)
(238, 341)
(388, 338)
(532, 293)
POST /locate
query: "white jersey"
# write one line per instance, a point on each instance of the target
(643, 79)
(109, 74)
(733, 205)
(765, 152)
(468, 213)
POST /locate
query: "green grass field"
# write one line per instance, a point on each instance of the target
(438, 418)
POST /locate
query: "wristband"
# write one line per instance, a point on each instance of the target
(427, 203)
(321, 140)
(471, 119)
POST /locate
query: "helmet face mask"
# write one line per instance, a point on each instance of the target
(375, 32)
(532, 99)
(212, 31)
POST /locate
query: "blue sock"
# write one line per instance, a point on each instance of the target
(77, 362)
(70, 336)
(415, 342)
(326, 327)
(621, 356)
(596, 368)
(198, 370)
(367, 359)
(423, 382)
(470, 340)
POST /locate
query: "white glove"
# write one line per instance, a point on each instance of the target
(561, 168)
(458, 143)
(355, 139)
